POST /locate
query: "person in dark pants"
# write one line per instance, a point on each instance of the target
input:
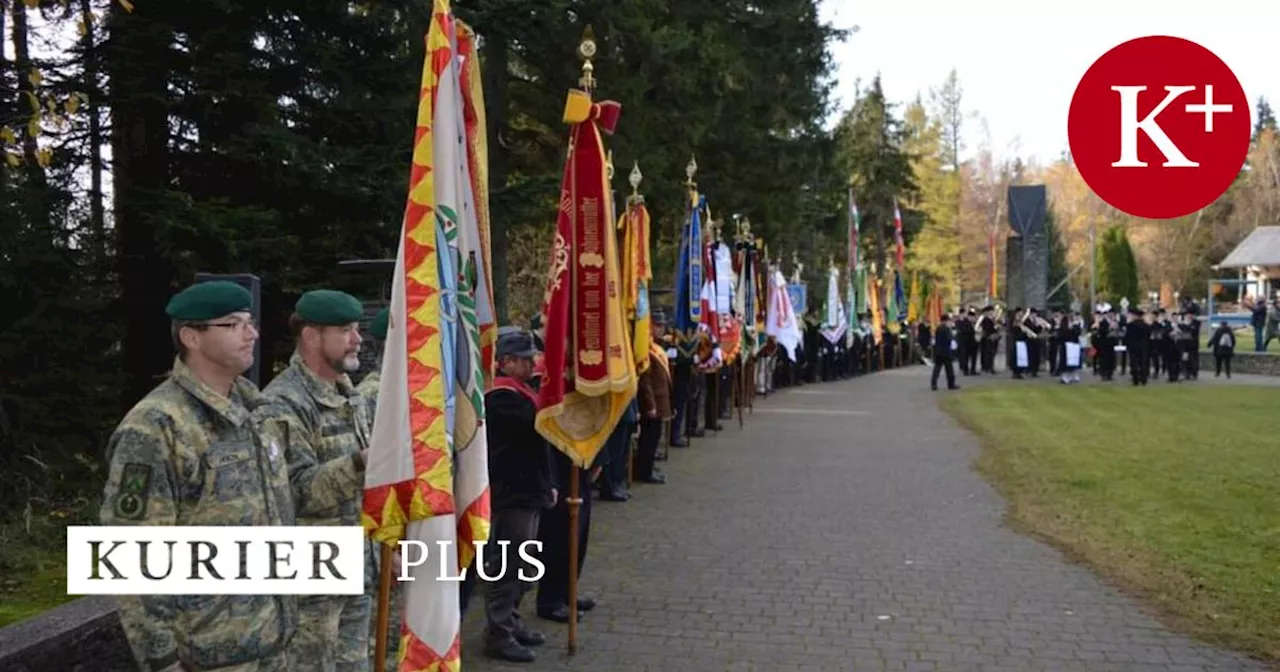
(521, 486)
(973, 343)
(964, 331)
(654, 399)
(1223, 343)
(1258, 320)
(682, 367)
(613, 482)
(1137, 340)
(943, 352)
(987, 329)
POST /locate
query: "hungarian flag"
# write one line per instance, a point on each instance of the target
(590, 363)
(900, 248)
(637, 274)
(427, 473)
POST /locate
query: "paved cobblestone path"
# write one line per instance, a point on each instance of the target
(842, 529)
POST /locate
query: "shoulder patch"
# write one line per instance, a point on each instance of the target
(130, 506)
(135, 482)
(135, 478)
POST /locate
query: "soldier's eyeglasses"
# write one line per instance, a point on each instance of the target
(236, 326)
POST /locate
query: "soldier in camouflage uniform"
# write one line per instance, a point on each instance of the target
(329, 430)
(368, 388)
(193, 453)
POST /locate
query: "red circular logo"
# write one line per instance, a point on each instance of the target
(1159, 127)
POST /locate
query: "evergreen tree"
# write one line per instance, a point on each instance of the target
(1057, 262)
(870, 145)
(1117, 267)
(1266, 117)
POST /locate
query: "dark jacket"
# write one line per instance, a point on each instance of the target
(1137, 336)
(520, 460)
(942, 343)
(1259, 315)
(1223, 342)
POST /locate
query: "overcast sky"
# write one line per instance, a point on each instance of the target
(1019, 66)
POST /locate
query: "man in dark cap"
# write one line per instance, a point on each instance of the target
(943, 352)
(1137, 341)
(201, 418)
(964, 330)
(522, 486)
(329, 431)
(988, 339)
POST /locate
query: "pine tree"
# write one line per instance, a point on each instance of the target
(1117, 267)
(1057, 262)
(1266, 117)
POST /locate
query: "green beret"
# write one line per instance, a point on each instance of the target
(329, 308)
(378, 325)
(209, 300)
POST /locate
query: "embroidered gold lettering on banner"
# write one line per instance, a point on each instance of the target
(591, 244)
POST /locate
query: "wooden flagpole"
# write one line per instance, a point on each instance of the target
(384, 607)
(586, 50)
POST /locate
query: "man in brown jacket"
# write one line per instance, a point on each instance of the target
(654, 397)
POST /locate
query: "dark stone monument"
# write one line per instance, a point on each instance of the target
(1027, 207)
(254, 285)
(1013, 297)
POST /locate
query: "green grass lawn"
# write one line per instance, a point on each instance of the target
(33, 570)
(1172, 492)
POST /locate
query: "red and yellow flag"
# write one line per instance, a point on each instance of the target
(427, 474)
(591, 369)
(877, 318)
(637, 274)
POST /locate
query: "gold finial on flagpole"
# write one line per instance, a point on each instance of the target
(587, 51)
(608, 165)
(635, 178)
(690, 170)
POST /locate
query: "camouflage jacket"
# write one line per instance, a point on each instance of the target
(368, 388)
(328, 425)
(185, 455)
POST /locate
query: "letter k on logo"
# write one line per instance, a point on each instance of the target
(1159, 127)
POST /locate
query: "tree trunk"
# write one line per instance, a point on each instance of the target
(136, 60)
(97, 214)
(494, 75)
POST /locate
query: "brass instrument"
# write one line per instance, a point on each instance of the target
(1022, 324)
